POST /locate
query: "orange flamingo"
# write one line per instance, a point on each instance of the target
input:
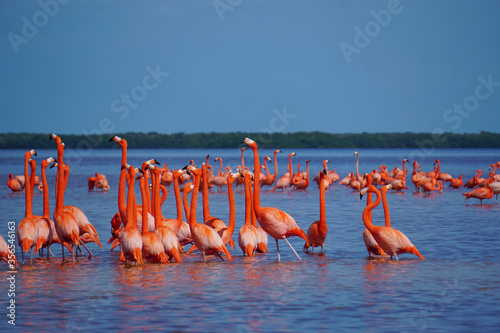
(302, 183)
(166, 235)
(480, 193)
(327, 181)
(269, 180)
(334, 177)
(14, 184)
(391, 240)
(220, 180)
(317, 231)
(496, 177)
(152, 247)
(130, 237)
(206, 239)
(67, 228)
(275, 222)
(456, 182)
(209, 220)
(46, 228)
(167, 176)
(188, 187)
(27, 228)
(370, 242)
(285, 180)
(247, 236)
(102, 183)
(183, 232)
(262, 238)
(92, 180)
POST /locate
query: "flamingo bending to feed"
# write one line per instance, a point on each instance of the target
(391, 240)
(275, 222)
(247, 236)
(206, 239)
(317, 231)
(480, 193)
(102, 183)
(27, 228)
(92, 180)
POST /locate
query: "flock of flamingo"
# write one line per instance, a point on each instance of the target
(144, 235)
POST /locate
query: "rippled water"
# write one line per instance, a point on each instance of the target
(456, 289)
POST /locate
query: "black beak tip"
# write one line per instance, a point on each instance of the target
(111, 139)
(156, 162)
(360, 196)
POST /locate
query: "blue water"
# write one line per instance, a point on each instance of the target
(456, 289)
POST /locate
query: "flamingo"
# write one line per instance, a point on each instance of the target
(496, 177)
(370, 242)
(46, 228)
(220, 180)
(247, 236)
(334, 177)
(92, 180)
(14, 184)
(152, 247)
(269, 180)
(188, 187)
(359, 178)
(285, 180)
(391, 240)
(130, 237)
(180, 227)
(27, 228)
(102, 183)
(302, 183)
(480, 193)
(206, 239)
(67, 228)
(495, 186)
(471, 183)
(6, 254)
(317, 231)
(166, 235)
(481, 182)
(354, 184)
(456, 182)
(167, 176)
(327, 181)
(417, 177)
(241, 180)
(275, 222)
(209, 220)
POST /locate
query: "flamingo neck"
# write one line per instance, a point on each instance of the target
(145, 203)
(256, 167)
(385, 205)
(28, 194)
(130, 202)
(122, 206)
(366, 216)
(186, 203)
(46, 206)
(204, 196)
(275, 166)
(178, 200)
(322, 213)
(248, 202)
(230, 194)
(194, 197)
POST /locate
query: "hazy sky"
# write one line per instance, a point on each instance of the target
(250, 65)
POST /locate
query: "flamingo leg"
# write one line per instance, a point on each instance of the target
(50, 252)
(278, 249)
(321, 248)
(292, 249)
(204, 258)
(32, 250)
(90, 253)
(62, 245)
(220, 256)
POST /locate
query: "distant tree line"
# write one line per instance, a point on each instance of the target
(265, 140)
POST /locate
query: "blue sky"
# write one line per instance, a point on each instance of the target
(251, 65)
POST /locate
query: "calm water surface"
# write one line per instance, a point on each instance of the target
(456, 289)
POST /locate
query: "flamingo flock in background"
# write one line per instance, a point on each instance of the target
(145, 236)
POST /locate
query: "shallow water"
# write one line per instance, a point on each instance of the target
(456, 289)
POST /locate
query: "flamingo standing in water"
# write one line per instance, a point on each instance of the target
(285, 180)
(152, 247)
(209, 220)
(370, 242)
(46, 228)
(102, 183)
(27, 228)
(480, 193)
(456, 182)
(317, 231)
(220, 180)
(14, 184)
(206, 239)
(183, 232)
(247, 236)
(167, 176)
(391, 240)
(327, 181)
(92, 180)
(275, 222)
(471, 183)
(302, 183)
(130, 237)
(269, 180)
(167, 236)
(66, 223)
